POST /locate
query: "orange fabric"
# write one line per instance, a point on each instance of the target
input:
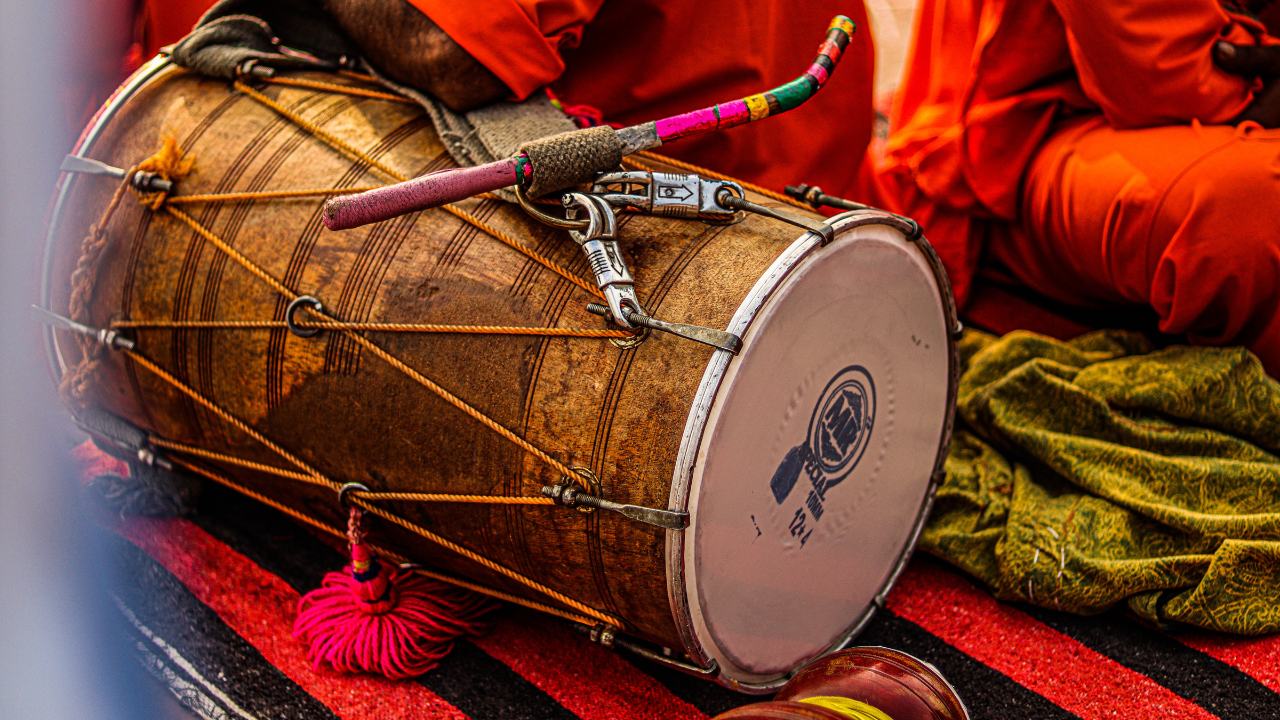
(1182, 218)
(988, 80)
(639, 60)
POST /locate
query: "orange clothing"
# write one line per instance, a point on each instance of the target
(1184, 218)
(640, 60)
(988, 80)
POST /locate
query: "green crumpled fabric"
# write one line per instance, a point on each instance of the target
(1099, 471)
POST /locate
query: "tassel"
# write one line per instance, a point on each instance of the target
(388, 621)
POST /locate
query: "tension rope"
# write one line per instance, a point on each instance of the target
(172, 165)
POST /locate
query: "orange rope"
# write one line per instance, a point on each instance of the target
(312, 475)
(330, 139)
(585, 609)
(371, 496)
(374, 326)
(265, 195)
(317, 478)
(508, 597)
(374, 348)
(336, 88)
(355, 155)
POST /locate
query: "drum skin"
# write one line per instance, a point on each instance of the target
(617, 412)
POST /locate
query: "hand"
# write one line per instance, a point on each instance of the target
(401, 41)
(1254, 61)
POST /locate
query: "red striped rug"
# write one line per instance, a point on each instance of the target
(209, 602)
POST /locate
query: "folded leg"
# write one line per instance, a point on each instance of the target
(1183, 218)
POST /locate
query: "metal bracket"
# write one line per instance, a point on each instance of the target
(815, 198)
(110, 338)
(611, 637)
(568, 496)
(823, 230)
(147, 182)
(666, 194)
(718, 339)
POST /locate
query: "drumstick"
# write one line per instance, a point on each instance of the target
(447, 186)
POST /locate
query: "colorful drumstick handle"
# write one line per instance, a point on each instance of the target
(428, 191)
(749, 109)
(447, 186)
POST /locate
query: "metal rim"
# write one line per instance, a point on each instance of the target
(700, 412)
(144, 75)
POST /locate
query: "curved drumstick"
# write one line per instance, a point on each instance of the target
(446, 186)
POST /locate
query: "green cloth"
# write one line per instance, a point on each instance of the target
(1088, 473)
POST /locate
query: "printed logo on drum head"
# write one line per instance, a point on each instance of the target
(839, 431)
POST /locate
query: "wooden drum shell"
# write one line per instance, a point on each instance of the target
(617, 412)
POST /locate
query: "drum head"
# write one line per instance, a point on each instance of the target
(815, 451)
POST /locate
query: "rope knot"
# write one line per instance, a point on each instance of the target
(169, 163)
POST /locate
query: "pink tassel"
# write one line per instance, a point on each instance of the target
(373, 618)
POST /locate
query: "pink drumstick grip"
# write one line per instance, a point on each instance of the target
(430, 190)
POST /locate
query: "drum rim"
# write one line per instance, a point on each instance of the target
(699, 415)
(141, 77)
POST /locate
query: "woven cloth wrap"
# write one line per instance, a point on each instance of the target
(571, 158)
(1098, 471)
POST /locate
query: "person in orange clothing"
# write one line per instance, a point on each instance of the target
(639, 60)
(1101, 153)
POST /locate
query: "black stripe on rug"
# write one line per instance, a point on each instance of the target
(1206, 681)
(163, 605)
(469, 678)
(706, 695)
(988, 693)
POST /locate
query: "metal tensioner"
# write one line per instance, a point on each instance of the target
(612, 276)
(667, 194)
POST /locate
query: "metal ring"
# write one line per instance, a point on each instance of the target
(635, 339)
(546, 219)
(293, 307)
(586, 480)
(342, 492)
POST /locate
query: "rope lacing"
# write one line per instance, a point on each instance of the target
(77, 380)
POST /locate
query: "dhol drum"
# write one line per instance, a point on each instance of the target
(806, 463)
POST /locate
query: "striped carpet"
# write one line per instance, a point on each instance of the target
(209, 602)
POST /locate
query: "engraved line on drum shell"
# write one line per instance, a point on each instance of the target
(205, 339)
(301, 255)
(614, 390)
(181, 300)
(136, 251)
(359, 288)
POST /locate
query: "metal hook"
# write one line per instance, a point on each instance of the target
(349, 487)
(293, 308)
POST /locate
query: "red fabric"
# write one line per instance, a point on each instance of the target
(1029, 652)
(164, 22)
(1182, 218)
(547, 653)
(988, 79)
(995, 310)
(642, 60)
(1257, 657)
(92, 462)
